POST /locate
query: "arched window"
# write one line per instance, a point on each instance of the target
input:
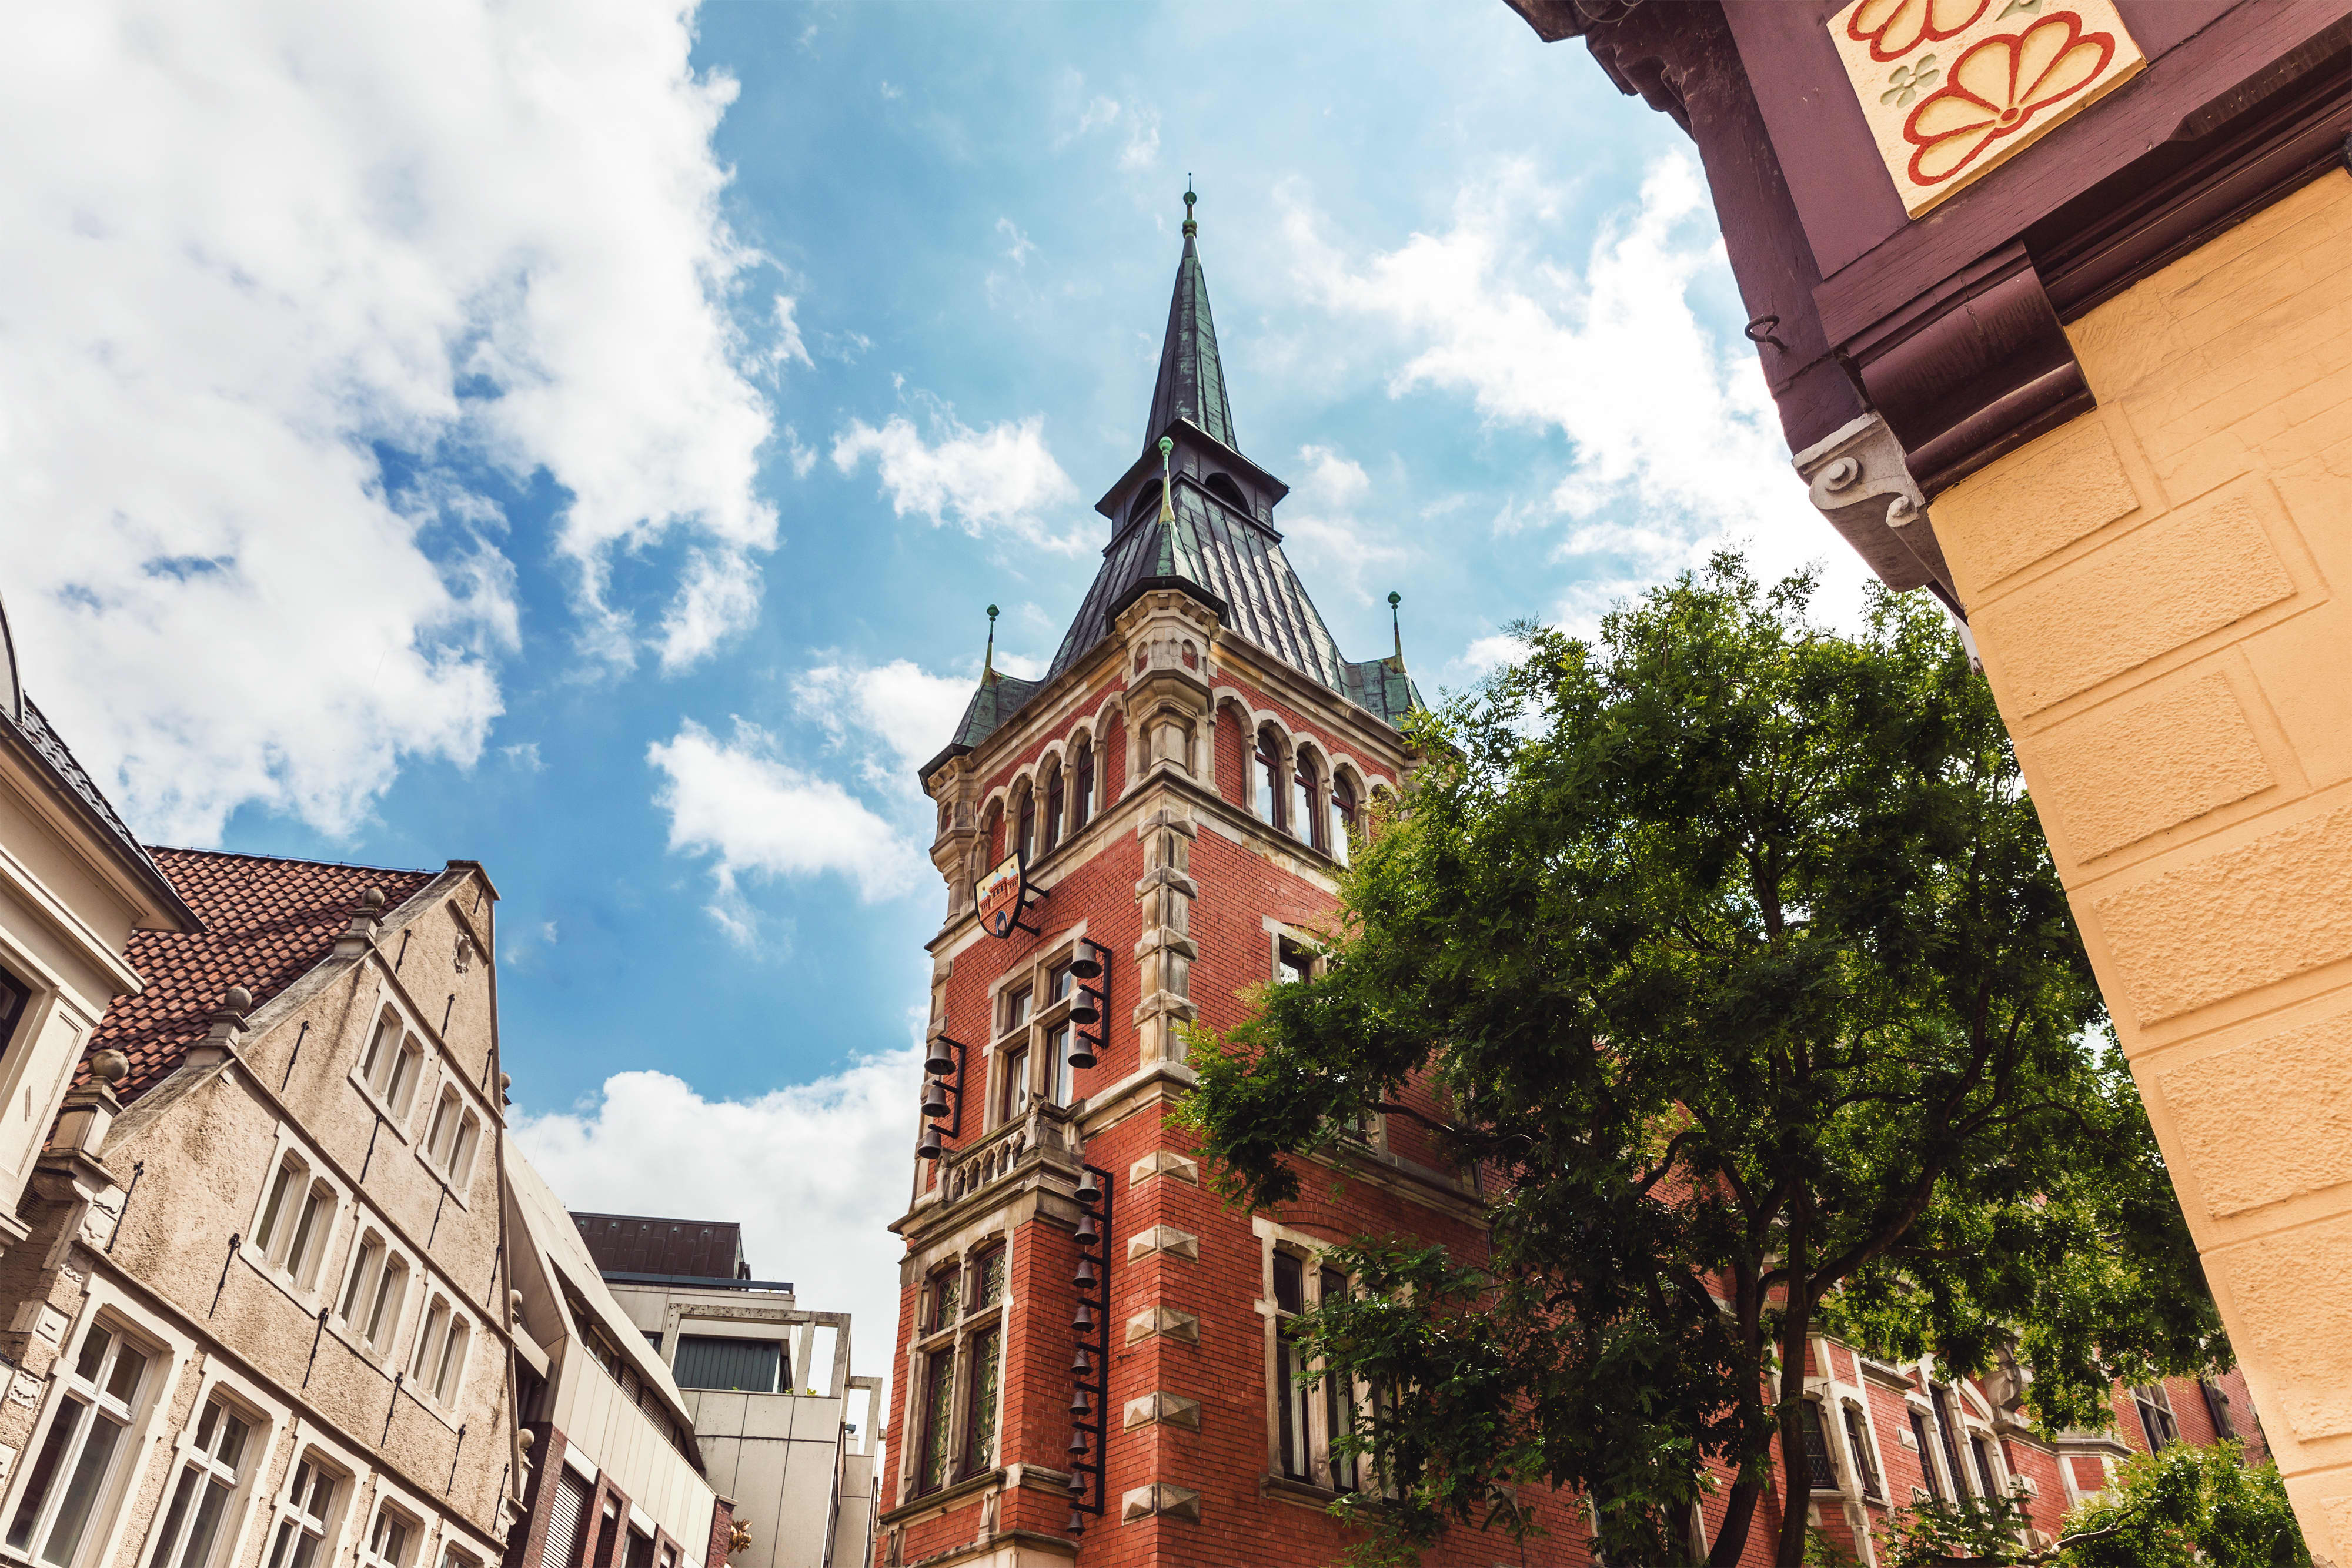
(1082, 785)
(1222, 487)
(1147, 501)
(1343, 815)
(1027, 837)
(1053, 806)
(1306, 821)
(1269, 792)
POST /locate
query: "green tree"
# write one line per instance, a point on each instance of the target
(1733, 956)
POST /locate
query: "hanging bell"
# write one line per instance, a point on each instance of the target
(1079, 1445)
(1083, 1320)
(1085, 1277)
(938, 1063)
(1083, 1363)
(1088, 1234)
(1077, 1525)
(1085, 966)
(935, 1098)
(1078, 1483)
(929, 1149)
(1081, 1404)
(1087, 1008)
(1081, 1057)
(1089, 1190)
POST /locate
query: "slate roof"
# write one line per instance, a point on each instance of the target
(32, 727)
(1192, 383)
(268, 922)
(1208, 548)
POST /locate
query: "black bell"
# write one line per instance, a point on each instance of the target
(1084, 1277)
(929, 1149)
(1083, 1320)
(1081, 1404)
(1079, 1445)
(1089, 1190)
(1085, 966)
(938, 1063)
(1088, 1234)
(1087, 1007)
(1081, 1057)
(935, 1098)
(1077, 1484)
(1077, 1525)
(1083, 1363)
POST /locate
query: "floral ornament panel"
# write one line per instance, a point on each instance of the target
(1951, 87)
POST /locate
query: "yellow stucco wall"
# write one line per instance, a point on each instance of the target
(2152, 589)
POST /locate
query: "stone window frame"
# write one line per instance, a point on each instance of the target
(286, 1516)
(410, 1551)
(426, 1346)
(266, 1417)
(457, 1171)
(394, 1110)
(1328, 762)
(1000, 811)
(1311, 1251)
(168, 1352)
(286, 1272)
(1047, 1014)
(367, 1229)
(2152, 1402)
(950, 1344)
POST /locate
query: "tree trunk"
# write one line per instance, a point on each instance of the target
(1739, 1509)
(1796, 1470)
(1738, 1513)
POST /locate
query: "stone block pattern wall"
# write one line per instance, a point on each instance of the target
(2153, 588)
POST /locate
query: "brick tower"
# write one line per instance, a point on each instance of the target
(1138, 842)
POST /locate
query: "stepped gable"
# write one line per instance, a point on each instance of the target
(1201, 541)
(266, 923)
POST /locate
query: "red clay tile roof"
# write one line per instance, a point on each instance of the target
(268, 922)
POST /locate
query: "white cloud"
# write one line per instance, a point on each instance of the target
(1142, 149)
(524, 756)
(1322, 522)
(249, 242)
(1018, 246)
(1139, 120)
(752, 814)
(814, 1172)
(910, 712)
(1673, 447)
(997, 480)
(788, 345)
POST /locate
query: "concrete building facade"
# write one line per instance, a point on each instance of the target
(784, 1429)
(2069, 348)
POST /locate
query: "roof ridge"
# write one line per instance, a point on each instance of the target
(292, 860)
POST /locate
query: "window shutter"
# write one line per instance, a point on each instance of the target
(562, 1546)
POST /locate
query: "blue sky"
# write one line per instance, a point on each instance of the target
(584, 437)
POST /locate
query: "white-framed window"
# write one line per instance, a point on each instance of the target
(438, 1363)
(453, 1557)
(450, 1142)
(1307, 1415)
(391, 1540)
(373, 1292)
(309, 1513)
(392, 1065)
(1864, 1450)
(208, 1496)
(73, 1484)
(1030, 1059)
(298, 1215)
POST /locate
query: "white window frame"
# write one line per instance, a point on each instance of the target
(388, 1506)
(408, 1055)
(291, 1516)
(444, 1344)
(264, 1417)
(304, 1274)
(356, 1320)
(1311, 1252)
(69, 1391)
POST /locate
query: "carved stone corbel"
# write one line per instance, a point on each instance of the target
(1858, 479)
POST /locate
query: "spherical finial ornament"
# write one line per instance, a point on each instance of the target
(1396, 598)
(238, 999)
(372, 899)
(1167, 444)
(991, 612)
(110, 1066)
(525, 1438)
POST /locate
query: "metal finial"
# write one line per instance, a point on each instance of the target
(988, 663)
(1166, 490)
(1396, 627)
(1190, 227)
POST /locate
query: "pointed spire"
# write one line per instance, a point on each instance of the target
(1192, 383)
(1396, 629)
(988, 662)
